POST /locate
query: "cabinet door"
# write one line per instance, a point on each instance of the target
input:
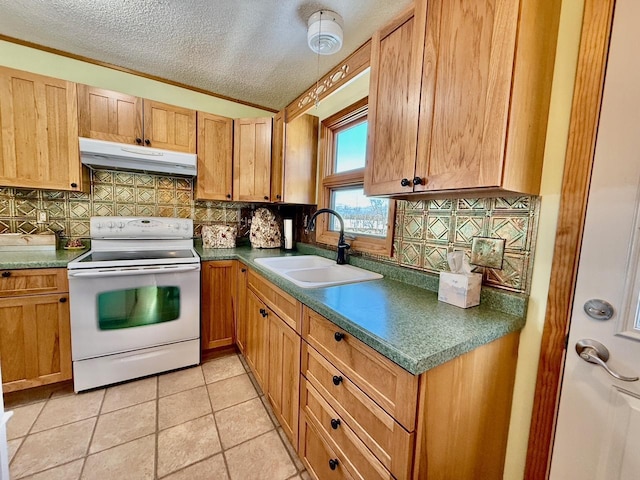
(110, 116)
(394, 96)
(300, 160)
(257, 343)
(215, 157)
(466, 90)
(277, 157)
(241, 309)
(252, 159)
(38, 132)
(169, 127)
(35, 341)
(284, 374)
(218, 303)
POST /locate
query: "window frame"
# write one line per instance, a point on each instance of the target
(329, 181)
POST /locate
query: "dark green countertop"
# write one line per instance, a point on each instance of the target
(399, 316)
(38, 259)
(404, 322)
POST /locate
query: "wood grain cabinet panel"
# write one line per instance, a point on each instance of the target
(386, 438)
(358, 459)
(218, 303)
(33, 282)
(38, 132)
(215, 157)
(321, 461)
(252, 159)
(294, 159)
(35, 337)
(284, 305)
(108, 115)
(257, 341)
(394, 96)
(459, 98)
(392, 387)
(169, 127)
(241, 309)
(284, 374)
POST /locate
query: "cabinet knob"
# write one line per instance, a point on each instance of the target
(243, 270)
(147, 141)
(338, 336)
(63, 300)
(335, 423)
(333, 463)
(417, 181)
(405, 182)
(6, 274)
(279, 197)
(263, 312)
(337, 380)
(228, 195)
(138, 141)
(74, 185)
(266, 198)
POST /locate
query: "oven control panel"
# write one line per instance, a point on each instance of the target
(141, 227)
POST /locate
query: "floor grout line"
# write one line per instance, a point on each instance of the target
(93, 432)
(157, 430)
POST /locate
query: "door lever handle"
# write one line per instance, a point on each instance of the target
(595, 352)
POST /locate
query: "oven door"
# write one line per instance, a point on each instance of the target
(118, 309)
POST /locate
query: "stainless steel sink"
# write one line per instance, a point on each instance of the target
(312, 271)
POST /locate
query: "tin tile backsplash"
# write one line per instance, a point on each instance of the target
(427, 230)
(112, 193)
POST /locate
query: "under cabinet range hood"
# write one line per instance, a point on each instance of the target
(120, 156)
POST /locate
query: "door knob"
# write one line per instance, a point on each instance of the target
(595, 352)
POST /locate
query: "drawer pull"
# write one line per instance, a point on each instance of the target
(63, 300)
(335, 423)
(333, 463)
(337, 380)
(6, 274)
(338, 336)
(263, 312)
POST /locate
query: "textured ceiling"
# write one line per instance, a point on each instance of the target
(253, 50)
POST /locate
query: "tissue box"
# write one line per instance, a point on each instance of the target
(459, 289)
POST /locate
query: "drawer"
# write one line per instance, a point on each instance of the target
(316, 455)
(33, 281)
(357, 458)
(385, 437)
(389, 385)
(284, 305)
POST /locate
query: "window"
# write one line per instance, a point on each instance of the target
(367, 220)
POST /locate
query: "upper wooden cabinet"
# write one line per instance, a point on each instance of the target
(294, 159)
(252, 159)
(482, 97)
(38, 132)
(215, 157)
(117, 117)
(107, 115)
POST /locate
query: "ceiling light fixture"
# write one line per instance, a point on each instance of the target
(324, 32)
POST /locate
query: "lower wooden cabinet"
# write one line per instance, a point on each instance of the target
(242, 273)
(35, 338)
(218, 303)
(284, 375)
(257, 342)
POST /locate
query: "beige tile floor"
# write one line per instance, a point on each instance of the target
(205, 422)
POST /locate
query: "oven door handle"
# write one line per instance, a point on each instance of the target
(130, 272)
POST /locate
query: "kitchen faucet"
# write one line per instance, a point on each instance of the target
(342, 245)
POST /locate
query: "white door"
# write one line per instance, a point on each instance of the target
(598, 429)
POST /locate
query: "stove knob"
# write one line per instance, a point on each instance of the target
(99, 226)
(120, 224)
(111, 225)
(185, 227)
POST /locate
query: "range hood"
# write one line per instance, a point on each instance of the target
(120, 156)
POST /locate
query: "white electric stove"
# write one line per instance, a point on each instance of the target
(134, 300)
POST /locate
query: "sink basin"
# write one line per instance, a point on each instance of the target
(312, 271)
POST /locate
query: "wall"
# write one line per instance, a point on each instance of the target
(44, 63)
(531, 336)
